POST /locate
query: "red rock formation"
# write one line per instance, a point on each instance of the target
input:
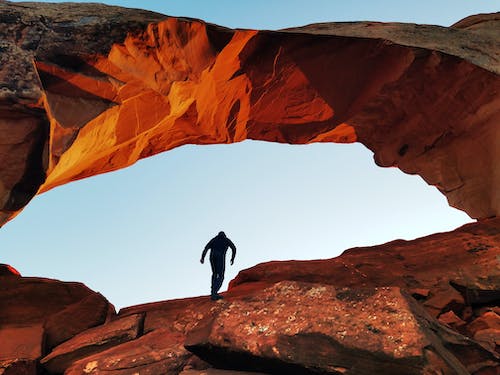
(158, 352)
(18, 367)
(38, 314)
(302, 328)
(20, 348)
(87, 89)
(486, 329)
(355, 292)
(452, 275)
(6, 270)
(445, 271)
(423, 98)
(92, 341)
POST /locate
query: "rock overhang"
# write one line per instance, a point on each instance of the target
(95, 91)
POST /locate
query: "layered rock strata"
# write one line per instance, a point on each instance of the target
(347, 315)
(37, 315)
(87, 89)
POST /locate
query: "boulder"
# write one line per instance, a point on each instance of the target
(486, 329)
(92, 341)
(158, 352)
(489, 319)
(431, 268)
(452, 320)
(91, 311)
(31, 300)
(21, 343)
(6, 270)
(37, 314)
(303, 328)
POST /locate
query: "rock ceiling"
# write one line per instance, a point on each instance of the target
(90, 88)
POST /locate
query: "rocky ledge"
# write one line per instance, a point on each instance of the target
(77, 84)
(435, 310)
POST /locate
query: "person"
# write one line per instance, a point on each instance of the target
(218, 247)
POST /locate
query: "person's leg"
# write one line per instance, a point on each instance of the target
(220, 268)
(213, 289)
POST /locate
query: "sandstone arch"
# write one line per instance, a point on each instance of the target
(86, 94)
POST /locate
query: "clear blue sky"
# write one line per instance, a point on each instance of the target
(136, 235)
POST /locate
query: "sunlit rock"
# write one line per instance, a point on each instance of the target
(445, 271)
(304, 328)
(396, 306)
(88, 89)
(7, 270)
(93, 340)
(62, 309)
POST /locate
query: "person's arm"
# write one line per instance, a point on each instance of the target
(233, 249)
(202, 259)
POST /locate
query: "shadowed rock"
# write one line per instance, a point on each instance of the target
(6, 270)
(158, 352)
(61, 309)
(20, 348)
(92, 341)
(18, 367)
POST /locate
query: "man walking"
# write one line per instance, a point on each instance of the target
(218, 247)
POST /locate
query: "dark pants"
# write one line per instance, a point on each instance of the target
(218, 263)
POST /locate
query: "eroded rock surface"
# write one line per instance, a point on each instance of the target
(88, 89)
(92, 341)
(38, 314)
(302, 328)
(420, 315)
(446, 271)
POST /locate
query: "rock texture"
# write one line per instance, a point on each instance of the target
(88, 88)
(458, 273)
(20, 348)
(432, 314)
(79, 82)
(357, 331)
(38, 314)
(6, 270)
(92, 341)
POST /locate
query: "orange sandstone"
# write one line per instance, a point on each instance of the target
(92, 90)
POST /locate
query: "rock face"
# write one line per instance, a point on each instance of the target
(6, 270)
(88, 88)
(280, 330)
(92, 341)
(443, 279)
(79, 82)
(347, 315)
(38, 314)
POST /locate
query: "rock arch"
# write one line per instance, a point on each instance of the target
(87, 94)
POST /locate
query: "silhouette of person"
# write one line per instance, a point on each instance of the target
(218, 247)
